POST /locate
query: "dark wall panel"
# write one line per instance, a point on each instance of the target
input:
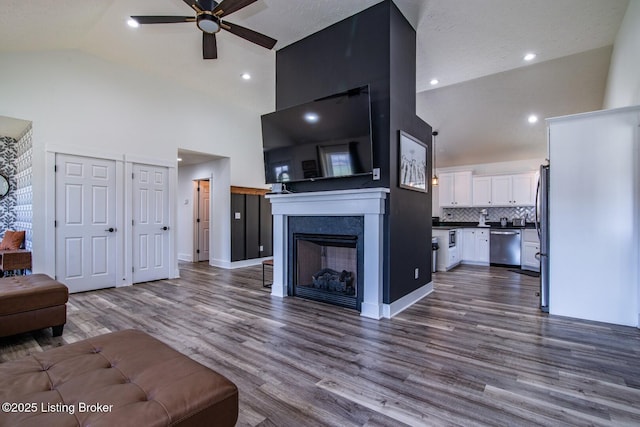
(237, 227)
(266, 227)
(252, 226)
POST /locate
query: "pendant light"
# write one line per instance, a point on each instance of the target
(434, 180)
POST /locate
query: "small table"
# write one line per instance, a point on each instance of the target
(266, 262)
(15, 260)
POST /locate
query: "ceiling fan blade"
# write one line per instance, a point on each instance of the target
(193, 4)
(209, 46)
(229, 6)
(247, 34)
(162, 19)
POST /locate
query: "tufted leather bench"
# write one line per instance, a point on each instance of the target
(125, 378)
(32, 302)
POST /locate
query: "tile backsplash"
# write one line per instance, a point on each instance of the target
(493, 214)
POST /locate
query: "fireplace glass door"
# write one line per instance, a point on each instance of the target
(325, 268)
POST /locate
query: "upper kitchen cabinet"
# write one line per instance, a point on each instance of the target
(455, 189)
(482, 191)
(513, 190)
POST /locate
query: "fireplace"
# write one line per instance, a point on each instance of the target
(326, 269)
(326, 260)
(336, 213)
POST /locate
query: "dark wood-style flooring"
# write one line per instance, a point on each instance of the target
(475, 352)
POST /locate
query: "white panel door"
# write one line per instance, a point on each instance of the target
(203, 220)
(85, 222)
(151, 233)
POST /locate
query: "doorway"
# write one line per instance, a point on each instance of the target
(201, 219)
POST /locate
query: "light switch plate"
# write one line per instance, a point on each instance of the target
(237, 215)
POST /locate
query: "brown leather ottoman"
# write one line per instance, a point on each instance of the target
(125, 378)
(32, 302)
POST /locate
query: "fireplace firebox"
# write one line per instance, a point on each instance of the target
(327, 266)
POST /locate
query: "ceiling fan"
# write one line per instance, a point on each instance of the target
(209, 14)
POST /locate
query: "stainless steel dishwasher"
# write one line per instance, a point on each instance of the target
(505, 247)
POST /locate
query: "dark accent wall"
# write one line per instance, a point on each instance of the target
(251, 227)
(375, 47)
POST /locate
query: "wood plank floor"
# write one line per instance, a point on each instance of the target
(475, 352)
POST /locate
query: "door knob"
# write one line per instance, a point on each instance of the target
(110, 229)
(165, 228)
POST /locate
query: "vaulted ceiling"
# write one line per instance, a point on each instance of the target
(473, 47)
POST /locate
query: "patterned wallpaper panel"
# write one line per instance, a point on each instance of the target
(24, 191)
(16, 211)
(493, 214)
(8, 154)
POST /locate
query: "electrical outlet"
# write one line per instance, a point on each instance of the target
(376, 174)
(416, 273)
(261, 248)
(237, 215)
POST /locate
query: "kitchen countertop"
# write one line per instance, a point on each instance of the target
(491, 225)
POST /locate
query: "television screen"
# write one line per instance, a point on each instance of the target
(326, 138)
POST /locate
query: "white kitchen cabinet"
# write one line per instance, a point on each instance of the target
(475, 246)
(481, 191)
(501, 190)
(523, 188)
(513, 190)
(448, 257)
(482, 246)
(453, 258)
(455, 189)
(468, 244)
(530, 248)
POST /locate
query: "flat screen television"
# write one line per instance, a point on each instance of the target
(326, 138)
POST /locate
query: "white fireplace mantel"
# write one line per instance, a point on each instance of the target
(368, 202)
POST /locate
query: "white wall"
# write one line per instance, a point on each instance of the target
(623, 85)
(82, 103)
(218, 172)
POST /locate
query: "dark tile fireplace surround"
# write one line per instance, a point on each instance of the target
(326, 262)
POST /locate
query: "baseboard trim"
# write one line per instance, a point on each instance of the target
(237, 264)
(399, 305)
(185, 257)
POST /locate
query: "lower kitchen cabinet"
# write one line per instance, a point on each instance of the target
(475, 244)
(448, 257)
(530, 248)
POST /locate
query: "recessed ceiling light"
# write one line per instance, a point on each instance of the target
(434, 82)
(311, 118)
(530, 57)
(133, 23)
(246, 76)
(533, 119)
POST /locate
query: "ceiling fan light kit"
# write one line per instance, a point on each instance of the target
(208, 23)
(208, 19)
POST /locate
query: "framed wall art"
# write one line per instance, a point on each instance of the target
(413, 163)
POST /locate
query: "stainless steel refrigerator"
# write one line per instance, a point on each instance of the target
(542, 226)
